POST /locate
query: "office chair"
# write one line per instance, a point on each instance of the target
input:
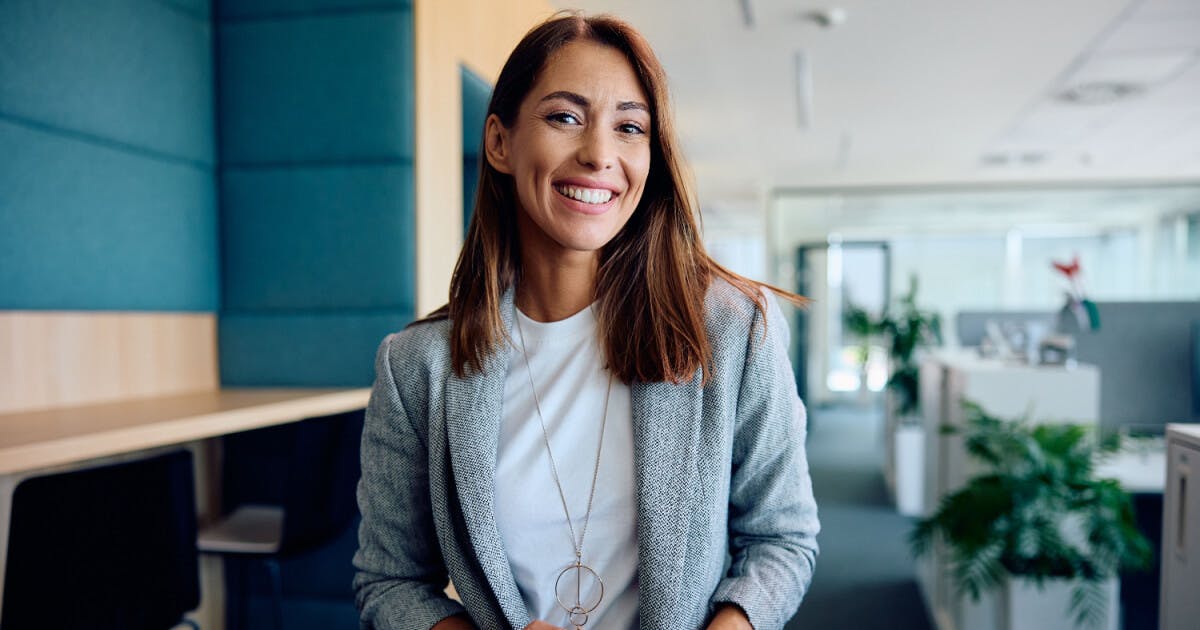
(105, 548)
(288, 490)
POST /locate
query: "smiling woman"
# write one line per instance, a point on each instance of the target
(578, 156)
(601, 427)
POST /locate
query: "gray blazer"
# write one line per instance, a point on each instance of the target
(725, 504)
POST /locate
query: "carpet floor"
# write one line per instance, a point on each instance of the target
(865, 577)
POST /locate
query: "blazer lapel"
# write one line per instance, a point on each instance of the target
(666, 419)
(474, 407)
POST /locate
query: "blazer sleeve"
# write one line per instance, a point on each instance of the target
(401, 576)
(772, 514)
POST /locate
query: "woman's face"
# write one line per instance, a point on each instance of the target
(579, 150)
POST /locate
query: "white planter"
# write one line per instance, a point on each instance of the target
(1022, 605)
(909, 462)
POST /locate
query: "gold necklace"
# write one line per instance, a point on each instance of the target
(577, 613)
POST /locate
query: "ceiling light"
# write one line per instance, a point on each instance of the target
(804, 101)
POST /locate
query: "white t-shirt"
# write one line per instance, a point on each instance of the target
(568, 372)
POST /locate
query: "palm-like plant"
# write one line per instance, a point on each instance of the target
(910, 329)
(1036, 512)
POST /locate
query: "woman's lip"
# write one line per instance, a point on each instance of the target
(586, 208)
(583, 182)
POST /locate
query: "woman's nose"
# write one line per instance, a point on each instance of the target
(597, 150)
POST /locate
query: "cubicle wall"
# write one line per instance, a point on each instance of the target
(1144, 356)
(1148, 354)
(315, 101)
(107, 200)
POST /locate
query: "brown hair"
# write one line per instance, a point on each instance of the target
(653, 275)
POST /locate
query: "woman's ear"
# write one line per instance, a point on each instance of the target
(496, 144)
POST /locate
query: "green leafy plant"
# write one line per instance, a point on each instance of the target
(1036, 512)
(909, 329)
(859, 323)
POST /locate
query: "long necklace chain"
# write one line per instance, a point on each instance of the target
(578, 611)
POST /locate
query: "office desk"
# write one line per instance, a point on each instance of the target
(56, 440)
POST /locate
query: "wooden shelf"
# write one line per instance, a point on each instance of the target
(40, 439)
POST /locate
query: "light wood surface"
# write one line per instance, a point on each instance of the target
(41, 439)
(57, 359)
(479, 34)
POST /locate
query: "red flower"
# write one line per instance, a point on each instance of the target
(1069, 270)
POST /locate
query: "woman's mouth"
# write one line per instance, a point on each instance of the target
(591, 196)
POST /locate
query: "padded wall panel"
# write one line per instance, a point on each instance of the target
(318, 239)
(317, 89)
(91, 227)
(136, 72)
(257, 9)
(199, 8)
(304, 349)
(476, 93)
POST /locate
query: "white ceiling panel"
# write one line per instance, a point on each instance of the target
(1165, 9)
(1181, 33)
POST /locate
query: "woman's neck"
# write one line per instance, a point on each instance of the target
(555, 287)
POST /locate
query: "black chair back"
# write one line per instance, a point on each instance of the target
(310, 468)
(106, 548)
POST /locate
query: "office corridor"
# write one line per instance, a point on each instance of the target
(865, 578)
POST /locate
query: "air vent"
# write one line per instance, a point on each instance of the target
(1099, 92)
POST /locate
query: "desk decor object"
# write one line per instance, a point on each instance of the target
(1035, 522)
(1086, 315)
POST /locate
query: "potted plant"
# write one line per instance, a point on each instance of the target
(906, 332)
(865, 329)
(1035, 525)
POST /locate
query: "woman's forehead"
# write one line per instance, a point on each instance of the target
(592, 70)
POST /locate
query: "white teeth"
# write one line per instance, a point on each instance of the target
(586, 195)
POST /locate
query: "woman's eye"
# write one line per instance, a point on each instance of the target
(631, 128)
(565, 118)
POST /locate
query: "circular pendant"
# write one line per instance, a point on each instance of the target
(579, 579)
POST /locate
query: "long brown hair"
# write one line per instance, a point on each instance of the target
(653, 275)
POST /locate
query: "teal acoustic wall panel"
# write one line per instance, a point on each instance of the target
(316, 110)
(107, 189)
(262, 9)
(319, 238)
(317, 89)
(335, 349)
(137, 73)
(201, 9)
(476, 93)
(93, 227)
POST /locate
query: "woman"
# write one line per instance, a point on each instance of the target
(600, 429)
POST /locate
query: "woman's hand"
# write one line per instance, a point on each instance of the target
(730, 617)
(457, 622)
(542, 625)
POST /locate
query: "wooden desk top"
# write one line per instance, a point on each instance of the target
(40, 439)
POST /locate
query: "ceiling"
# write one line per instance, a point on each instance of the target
(926, 92)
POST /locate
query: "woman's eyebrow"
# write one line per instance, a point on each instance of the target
(582, 101)
(577, 99)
